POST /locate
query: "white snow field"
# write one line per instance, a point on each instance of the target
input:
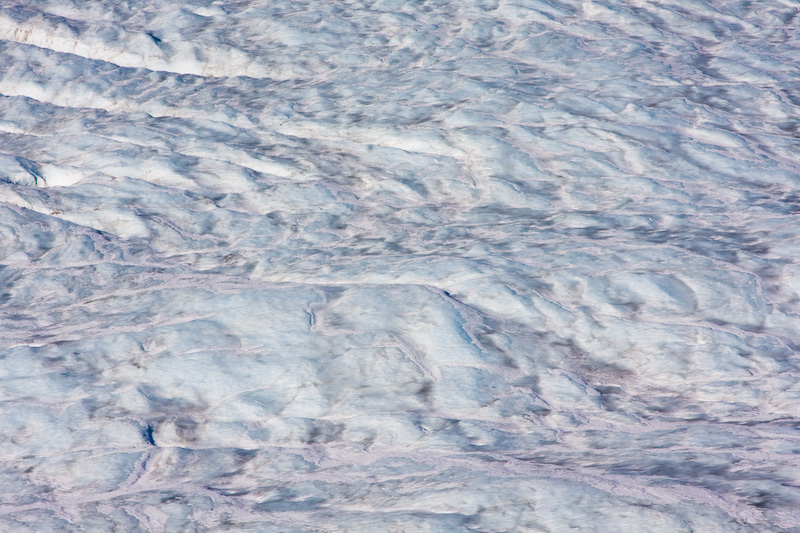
(400, 266)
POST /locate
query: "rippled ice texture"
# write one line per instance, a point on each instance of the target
(411, 266)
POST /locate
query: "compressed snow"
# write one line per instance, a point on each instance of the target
(421, 266)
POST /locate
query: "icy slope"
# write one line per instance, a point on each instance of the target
(417, 266)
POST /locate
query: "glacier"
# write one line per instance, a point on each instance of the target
(400, 265)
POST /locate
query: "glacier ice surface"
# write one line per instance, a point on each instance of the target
(383, 265)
